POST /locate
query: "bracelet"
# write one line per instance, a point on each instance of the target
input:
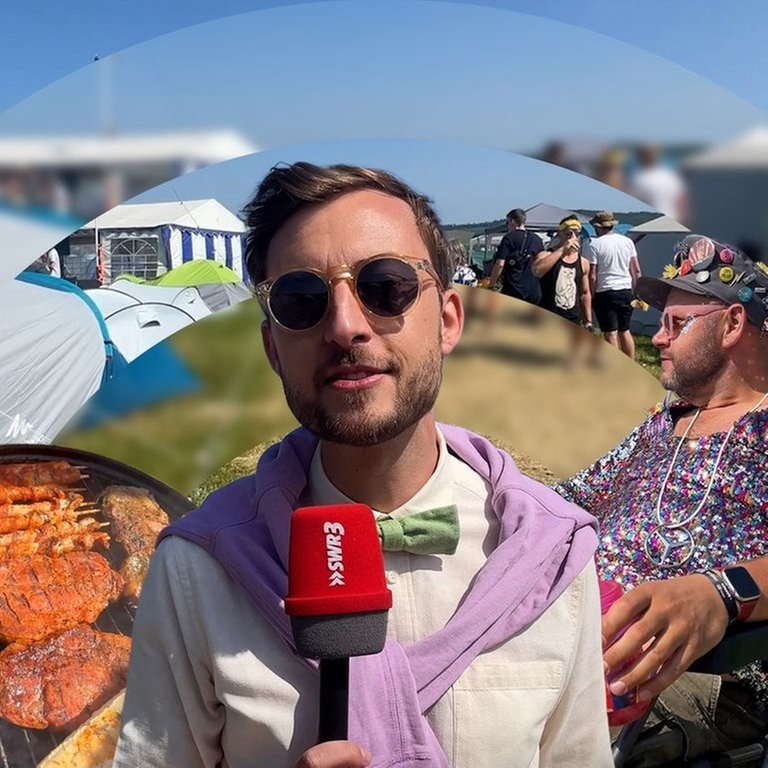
(725, 593)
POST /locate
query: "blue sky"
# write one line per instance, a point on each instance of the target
(440, 92)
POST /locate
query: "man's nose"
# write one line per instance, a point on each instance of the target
(346, 322)
(661, 338)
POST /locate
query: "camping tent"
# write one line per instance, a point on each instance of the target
(219, 286)
(728, 191)
(655, 242)
(540, 218)
(148, 239)
(55, 353)
(138, 316)
(58, 361)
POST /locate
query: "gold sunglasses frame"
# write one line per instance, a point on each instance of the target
(351, 273)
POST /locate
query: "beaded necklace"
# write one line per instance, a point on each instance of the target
(673, 536)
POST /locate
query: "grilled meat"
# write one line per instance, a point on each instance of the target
(19, 517)
(60, 681)
(93, 744)
(55, 538)
(41, 595)
(11, 494)
(136, 519)
(40, 473)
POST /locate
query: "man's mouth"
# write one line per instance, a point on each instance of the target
(343, 373)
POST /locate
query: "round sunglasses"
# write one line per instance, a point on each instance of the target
(386, 286)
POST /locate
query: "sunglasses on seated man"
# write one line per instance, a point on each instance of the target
(679, 319)
(386, 286)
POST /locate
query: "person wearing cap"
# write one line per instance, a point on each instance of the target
(564, 276)
(682, 504)
(614, 272)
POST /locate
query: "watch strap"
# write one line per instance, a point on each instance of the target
(725, 592)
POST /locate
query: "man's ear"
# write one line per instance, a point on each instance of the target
(736, 325)
(269, 347)
(451, 320)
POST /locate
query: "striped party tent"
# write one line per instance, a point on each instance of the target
(146, 240)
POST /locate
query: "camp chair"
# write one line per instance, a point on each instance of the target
(742, 644)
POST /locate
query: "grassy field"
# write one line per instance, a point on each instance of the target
(507, 382)
(646, 354)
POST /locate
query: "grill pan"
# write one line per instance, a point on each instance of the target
(26, 747)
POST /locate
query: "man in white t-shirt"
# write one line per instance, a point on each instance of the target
(613, 275)
(659, 186)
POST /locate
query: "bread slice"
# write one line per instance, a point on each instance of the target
(93, 744)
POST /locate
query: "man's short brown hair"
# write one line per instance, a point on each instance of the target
(287, 189)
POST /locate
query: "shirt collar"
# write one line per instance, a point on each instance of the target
(436, 492)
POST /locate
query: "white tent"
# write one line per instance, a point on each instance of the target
(27, 236)
(54, 354)
(728, 190)
(139, 316)
(658, 226)
(148, 239)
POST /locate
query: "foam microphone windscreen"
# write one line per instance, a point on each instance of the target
(337, 594)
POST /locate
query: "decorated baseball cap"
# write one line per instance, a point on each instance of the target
(706, 267)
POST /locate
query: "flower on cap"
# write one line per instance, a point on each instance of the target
(639, 304)
(670, 270)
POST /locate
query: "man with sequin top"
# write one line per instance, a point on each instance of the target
(683, 506)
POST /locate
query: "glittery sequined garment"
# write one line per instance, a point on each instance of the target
(622, 489)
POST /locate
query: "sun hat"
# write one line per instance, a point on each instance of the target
(706, 267)
(603, 219)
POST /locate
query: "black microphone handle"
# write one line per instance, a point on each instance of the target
(334, 699)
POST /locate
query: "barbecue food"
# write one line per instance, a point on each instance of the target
(55, 538)
(136, 519)
(40, 473)
(41, 595)
(19, 517)
(11, 494)
(60, 681)
(93, 744)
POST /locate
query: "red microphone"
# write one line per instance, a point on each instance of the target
(337, 599)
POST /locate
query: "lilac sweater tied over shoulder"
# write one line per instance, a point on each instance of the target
(544, 543)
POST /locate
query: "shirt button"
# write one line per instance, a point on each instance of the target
(391, 577)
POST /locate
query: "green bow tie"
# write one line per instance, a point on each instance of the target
(433, 532)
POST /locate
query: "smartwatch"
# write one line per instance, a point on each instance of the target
(744, 590)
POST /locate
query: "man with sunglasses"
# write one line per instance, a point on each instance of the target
(493, 655)
(683, 508)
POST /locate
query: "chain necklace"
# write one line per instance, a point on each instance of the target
(673, 536)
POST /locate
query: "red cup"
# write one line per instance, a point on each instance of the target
(625, 708)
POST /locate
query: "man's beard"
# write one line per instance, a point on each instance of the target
(696, 370)
(351, 425)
